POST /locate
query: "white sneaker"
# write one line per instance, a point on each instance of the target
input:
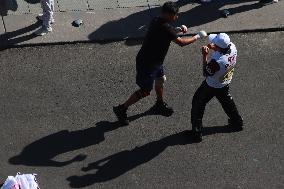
(39, 17)
(43, 31)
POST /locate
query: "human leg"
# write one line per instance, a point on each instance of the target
(229, 106)
(201, 97)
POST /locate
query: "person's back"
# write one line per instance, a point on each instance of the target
(157, 42)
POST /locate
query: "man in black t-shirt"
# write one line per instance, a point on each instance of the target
(149, 61)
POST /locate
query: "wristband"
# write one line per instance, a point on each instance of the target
(197, 36)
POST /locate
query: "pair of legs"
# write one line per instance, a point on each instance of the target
(146, 79)
(203, 95)
(141, 93)
(46, 18)
(48, 9)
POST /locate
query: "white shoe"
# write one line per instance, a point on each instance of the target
(43, 31)
(39, 17)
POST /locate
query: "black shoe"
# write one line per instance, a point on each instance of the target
(236, 125)
(120, 112)
(196, 136)
(162, 108)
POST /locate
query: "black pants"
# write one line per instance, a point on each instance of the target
(203, 95)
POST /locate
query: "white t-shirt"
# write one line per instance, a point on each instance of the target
(221, 67)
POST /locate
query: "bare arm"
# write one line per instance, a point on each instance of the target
(205, 52)
(183, 41)
(205, 56)
(188, 40)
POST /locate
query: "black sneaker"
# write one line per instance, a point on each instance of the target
(236, 125)
(120, 112)
(162, 108)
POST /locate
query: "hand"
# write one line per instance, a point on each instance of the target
(210, 45)
(183, 28)
(205, 50)
(201, 34)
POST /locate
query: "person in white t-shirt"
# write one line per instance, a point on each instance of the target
(218, 71)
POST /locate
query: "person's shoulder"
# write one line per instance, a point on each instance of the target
(167, 27)
(223, 59)
(216, 55)
(153, 21)
(161, 21)
(166, 24)
(233, 47)
(157, 20)
(232, 44)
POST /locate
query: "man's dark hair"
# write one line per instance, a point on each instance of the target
(170, 8)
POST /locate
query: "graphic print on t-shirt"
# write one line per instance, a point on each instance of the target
(227, 63)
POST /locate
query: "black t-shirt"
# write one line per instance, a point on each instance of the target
(156, 43)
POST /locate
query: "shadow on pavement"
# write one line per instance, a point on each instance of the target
(6, 5)
(117, 164)
(206, 13)
(36, 153)
(9, 39)
(136, 24)
(42, 151)
(128, 27)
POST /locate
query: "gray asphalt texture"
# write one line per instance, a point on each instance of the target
(57, 120)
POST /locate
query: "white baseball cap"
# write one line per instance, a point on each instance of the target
(221, 40)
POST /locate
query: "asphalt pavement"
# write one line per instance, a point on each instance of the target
(57, 120)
